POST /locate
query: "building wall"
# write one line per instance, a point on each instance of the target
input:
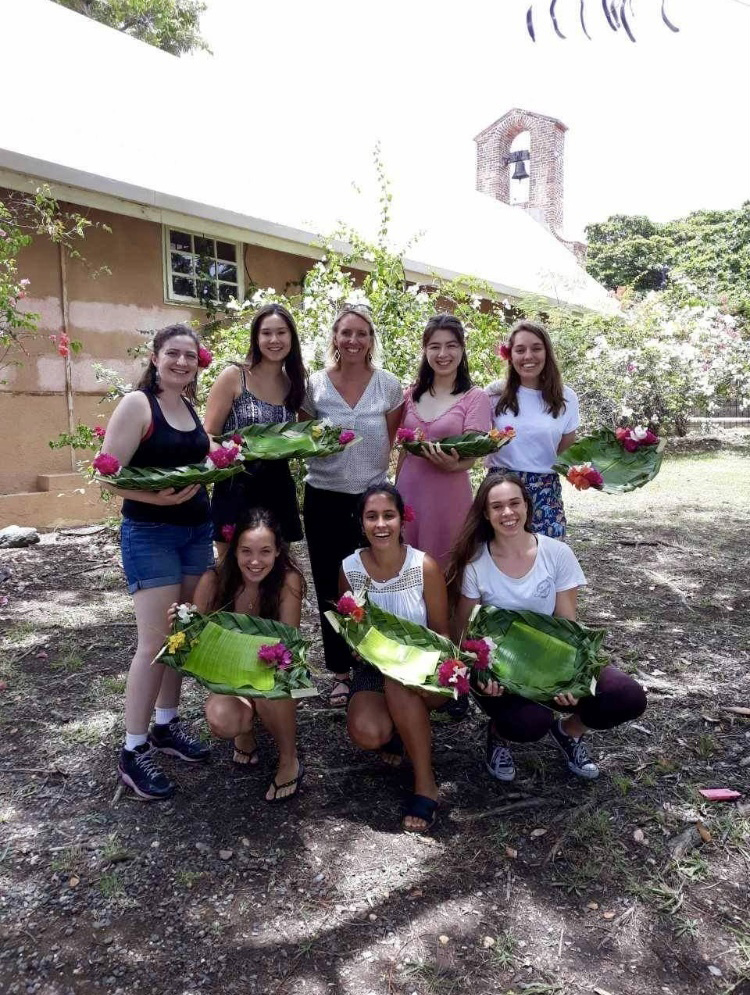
(108, 314)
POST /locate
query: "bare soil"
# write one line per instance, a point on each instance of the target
(548, 886)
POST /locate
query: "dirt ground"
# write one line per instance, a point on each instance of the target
(548, 886)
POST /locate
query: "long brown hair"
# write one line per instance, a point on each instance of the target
(270, 588)
(150, 379)
(550, 379)
(477, 531)
(293, 365)
(426, 374)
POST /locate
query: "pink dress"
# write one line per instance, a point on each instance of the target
(441, 499)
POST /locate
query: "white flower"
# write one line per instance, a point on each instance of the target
(458, 672)
(625, 411)
(185, 612)
(489, 643)
(476, 302)
(639, 433)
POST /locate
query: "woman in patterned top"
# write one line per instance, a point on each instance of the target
(267, 387)
(383, 714)
(353, 394)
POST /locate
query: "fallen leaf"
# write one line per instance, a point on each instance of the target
(713, 969)
(226, 854)
(719, 794)
(639, 836)
(488, 942)
(510, 852)
(608, 915)
(601, 991)
(737, 709)
(704, 833)
(536, 833)
(444, 939)
(709, 718)
(73, 882)
(3, 685)
(593, 905)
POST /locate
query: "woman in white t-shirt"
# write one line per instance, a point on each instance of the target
(500, 561)
(534, 401)
(384, 715)
(353, 393)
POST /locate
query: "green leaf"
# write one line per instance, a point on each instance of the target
(290, 440)
(622, 471)
(154, 478)
(539, 656)
(468, 445)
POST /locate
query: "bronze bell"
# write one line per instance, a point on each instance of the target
(519, 171)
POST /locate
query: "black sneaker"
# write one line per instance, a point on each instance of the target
(174, 740)
(575, 752)
(138, 770)
(453, 710)
(498, 758)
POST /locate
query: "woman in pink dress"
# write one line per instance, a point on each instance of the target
(442, 402)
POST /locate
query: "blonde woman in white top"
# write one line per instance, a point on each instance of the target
(353, 394)
(384, 715)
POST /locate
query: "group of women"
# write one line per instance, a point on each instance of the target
(425, 549)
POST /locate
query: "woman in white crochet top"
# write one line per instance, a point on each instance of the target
(384, 715)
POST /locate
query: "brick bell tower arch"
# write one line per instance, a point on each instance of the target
(545, 164)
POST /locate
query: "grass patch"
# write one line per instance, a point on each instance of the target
(70, 663)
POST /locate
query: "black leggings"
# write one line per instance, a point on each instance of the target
(618, 699)
(333, 531)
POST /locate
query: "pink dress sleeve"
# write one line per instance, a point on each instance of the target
(477, 411)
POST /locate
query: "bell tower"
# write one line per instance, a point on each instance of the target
(523, 148)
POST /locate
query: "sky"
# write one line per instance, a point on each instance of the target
(660, 127)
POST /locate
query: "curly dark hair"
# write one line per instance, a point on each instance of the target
(150, 379)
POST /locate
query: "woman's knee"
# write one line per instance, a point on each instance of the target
(516, 719)
(368, 729)
(618, 699)
(225, 716)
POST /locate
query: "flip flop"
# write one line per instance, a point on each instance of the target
(341, 699)
(420, 807)
(251, 755)
(395, 748)
(296, 781)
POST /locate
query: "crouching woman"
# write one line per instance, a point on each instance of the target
(500, 561)
(257, 576)
(384, 715)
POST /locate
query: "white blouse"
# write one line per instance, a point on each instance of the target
(365, 463)
(402, 595)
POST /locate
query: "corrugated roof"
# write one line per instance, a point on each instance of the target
(101, 111)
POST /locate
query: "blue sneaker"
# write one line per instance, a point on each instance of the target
(173, 739)
(139, 772)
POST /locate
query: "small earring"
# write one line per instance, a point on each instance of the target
(336, 356)
(369, 356)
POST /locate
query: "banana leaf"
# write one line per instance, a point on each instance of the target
(290, 440)
(136, 478)
(539, 656)
(221, 652)
(469, 445)
(402, 650)
(622, 471)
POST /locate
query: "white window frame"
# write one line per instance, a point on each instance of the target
(170, 297)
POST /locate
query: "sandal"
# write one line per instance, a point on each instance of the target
(295, 781)
(420, 807)
(245, 758)
(394, 749)
(340, 699)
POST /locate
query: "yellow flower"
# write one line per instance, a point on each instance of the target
(175, 641)
(316, 431)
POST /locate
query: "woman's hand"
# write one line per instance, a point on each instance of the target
(170, 496)
(439, 458)
(490, 687)
(566, 700)
(172, 613)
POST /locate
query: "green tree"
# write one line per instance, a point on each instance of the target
(173, 25)
(627, 252)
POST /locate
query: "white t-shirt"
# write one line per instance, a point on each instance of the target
(352, 471)
(555, 569)
(538, 434)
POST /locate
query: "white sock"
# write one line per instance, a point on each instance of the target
(133, 739)
(165, 715)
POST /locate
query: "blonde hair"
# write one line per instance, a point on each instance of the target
(364, 313)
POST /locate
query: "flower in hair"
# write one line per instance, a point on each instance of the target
(502, 349)
(409, 513)
(205, 357)
(227, 532)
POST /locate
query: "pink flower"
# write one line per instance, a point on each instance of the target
(276, 655)
(621, 434)
(63, 350)
(348, 605)
(237, 439)
(502, 349)
(409, 513)
(406, 435)
(106, 465)
(227, 532)
(3, 233)
(480, 649)
(630, 444)
(224, 457)
(453, 672)
(651, 439)
(24, 282)
(346, 437)
(99, 431)
(205, 358)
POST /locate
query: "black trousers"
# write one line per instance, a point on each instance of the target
(333, 531)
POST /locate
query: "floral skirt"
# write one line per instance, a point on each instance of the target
(546, 498)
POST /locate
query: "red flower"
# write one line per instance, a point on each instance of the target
(106, 465)
(346, 437)
(480, 649)
(452, 672)
(205, 358)
(227, 532)
(405, 435)
(631, 445)
(224, 457)
(276, 655)
(348, 605)
(502, 349)
(621, 434)
(651, 439)
(584, 476)
(99, 431)
(409, 513)
(237, 439)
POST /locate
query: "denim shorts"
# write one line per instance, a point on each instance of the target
(156, 555)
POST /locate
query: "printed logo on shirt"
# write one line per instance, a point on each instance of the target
(543, 588)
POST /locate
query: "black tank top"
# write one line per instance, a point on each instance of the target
(170, 447)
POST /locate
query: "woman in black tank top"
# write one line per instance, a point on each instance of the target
(166, 547)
